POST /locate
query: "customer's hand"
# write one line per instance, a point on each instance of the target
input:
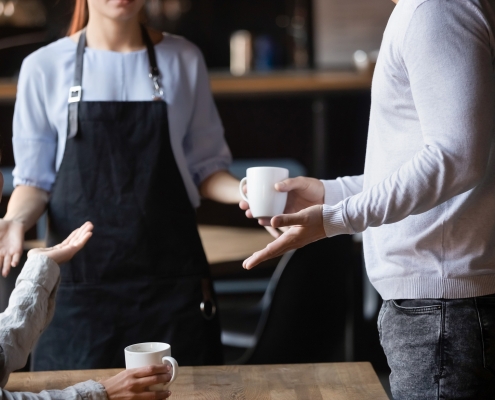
(306, 227)
(64, 251)
(302, 193)
(133, 384)
(11, 243)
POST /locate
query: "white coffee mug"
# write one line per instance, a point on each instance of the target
(264, 201)
(152, 353)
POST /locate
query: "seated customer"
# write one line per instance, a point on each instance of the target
(30, 310)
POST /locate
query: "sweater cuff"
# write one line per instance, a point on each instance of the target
(41, 270)
(333, 192)
(91, 390)
(333, 220)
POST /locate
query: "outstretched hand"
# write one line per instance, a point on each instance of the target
(306, 227)
(11, 243)
(64, 251)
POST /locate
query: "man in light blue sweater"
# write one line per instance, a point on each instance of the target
(426, 201)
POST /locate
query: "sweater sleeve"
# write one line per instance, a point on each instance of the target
(89, 390)
(338, 189)
(30, 310)
(447, 55)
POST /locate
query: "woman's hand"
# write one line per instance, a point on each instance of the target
(11, 244)
(25, 206)
(133, 384)
(64, 251)
(306, 227)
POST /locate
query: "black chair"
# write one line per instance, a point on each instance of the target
(305, 313)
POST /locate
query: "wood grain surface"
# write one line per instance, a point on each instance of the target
(225, 244)
(336, 381)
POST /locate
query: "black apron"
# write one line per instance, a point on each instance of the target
(143, 276)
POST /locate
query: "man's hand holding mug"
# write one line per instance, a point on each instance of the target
(302, 221)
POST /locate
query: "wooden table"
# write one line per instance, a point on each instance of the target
(225, 244)
(337, 381)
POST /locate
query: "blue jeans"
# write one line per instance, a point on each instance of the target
(440, 349)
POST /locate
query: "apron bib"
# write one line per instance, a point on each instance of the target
(143, 276)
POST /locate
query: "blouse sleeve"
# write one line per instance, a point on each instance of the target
(205, 148)
(34, 138)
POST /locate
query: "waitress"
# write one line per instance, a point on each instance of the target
(116, 124)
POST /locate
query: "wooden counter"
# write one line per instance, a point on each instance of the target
(224, 84)
(307, 82)
(337, 381)
(8, 90)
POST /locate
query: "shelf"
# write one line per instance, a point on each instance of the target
(8, 90)
(309, 82)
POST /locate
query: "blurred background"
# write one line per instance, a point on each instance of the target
(291, 80)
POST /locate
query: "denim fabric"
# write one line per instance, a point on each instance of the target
(440, 349)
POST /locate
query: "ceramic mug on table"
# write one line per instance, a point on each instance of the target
(152, 353)
(264, 201)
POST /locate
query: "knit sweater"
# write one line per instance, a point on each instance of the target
(426, 201)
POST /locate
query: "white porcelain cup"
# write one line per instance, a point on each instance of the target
(264, 201)
(152, 353)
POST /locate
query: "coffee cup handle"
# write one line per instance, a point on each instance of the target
(175, 367)
(241, 187)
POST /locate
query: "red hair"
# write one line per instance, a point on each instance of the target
(79, 18)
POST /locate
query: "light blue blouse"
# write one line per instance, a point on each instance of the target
(40, 117)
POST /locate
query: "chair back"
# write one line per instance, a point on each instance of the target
(305, 308)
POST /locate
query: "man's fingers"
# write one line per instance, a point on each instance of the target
(264, 222)
(299, 218)
(290, 184)
(272, 231)
(274, 249)
(244, 205)
(260, 256)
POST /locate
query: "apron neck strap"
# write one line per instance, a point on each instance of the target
(81, 45)
(154, 71)
(76, 90)
(151, 52)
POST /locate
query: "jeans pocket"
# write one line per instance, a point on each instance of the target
(410, 337)
(383, 309)
(486, 314)
(417, 306)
